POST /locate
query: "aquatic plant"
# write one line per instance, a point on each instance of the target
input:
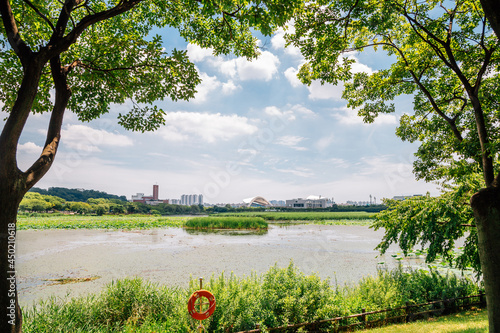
(226, 222)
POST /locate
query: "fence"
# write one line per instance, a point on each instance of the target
(403, 314)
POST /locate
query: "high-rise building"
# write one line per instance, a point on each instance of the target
(156, 189)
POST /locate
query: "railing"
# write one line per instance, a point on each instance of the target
(403, 314)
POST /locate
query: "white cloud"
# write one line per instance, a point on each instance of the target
(349, 116)
(302, 110)
(184, 126)
(276, 112)
(325, 142)
(30, 148)
(291, 76)
(263, 68)
(229, 87)
(325, 91)
(196, 53)
(300, 172)
(358, 67)
(88, 139)
(210, 84)
(207, 85)
(278, 42)
(290, 112)
(291, 141)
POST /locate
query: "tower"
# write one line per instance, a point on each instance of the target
(156, 189)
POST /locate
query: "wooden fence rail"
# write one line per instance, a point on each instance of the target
(407, 313)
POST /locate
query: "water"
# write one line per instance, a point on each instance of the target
(172, 255)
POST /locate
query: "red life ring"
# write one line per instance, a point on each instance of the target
(193, 312)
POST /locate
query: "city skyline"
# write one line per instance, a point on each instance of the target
(252, 129)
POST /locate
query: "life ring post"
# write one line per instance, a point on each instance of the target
(201, 305)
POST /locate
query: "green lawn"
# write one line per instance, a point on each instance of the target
(473, 321)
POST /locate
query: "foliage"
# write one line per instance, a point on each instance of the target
(99, 222)
(442, 54)
(226, 223)
(445, 55)
(73, 194)
(434, 223)
(278, 297)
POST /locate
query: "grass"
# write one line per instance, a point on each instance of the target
(307, 216)
(226, 222)
(99, 222)
(245, 220)
(278, 297)
(472, 321)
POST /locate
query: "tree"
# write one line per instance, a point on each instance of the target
(90, 54)
(446, 55)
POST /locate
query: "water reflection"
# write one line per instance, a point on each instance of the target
(226, 232)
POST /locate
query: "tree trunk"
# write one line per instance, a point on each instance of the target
(10, 311)
(486, 207)
(492, 13)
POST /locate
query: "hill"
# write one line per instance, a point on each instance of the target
(74, 194)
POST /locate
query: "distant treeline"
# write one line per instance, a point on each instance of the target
(73, 194)
(34, 202)
(334, 208)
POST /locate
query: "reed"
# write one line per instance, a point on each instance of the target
(226, 222)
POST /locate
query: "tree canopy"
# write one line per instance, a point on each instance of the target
(446, 56)
(85, 56)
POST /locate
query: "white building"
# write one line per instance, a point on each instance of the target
(310, 202)
(191, 199)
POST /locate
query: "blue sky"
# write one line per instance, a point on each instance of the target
(253, 129)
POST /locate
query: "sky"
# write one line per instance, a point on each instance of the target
(252, 130)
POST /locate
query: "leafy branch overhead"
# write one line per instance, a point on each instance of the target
(110, 52)
(444, 54)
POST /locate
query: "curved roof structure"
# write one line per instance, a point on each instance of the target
(257, 202)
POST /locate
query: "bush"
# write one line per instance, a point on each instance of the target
(278, 297)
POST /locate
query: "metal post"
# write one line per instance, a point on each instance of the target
(200, 328)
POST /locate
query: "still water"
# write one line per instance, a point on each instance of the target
(170, 256)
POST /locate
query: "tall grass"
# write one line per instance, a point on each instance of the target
(278, 297)
(99, 222)
(227, 222)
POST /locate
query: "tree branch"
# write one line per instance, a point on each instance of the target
(45, 18)
(21, 49)
(58, 43)
(63, 93)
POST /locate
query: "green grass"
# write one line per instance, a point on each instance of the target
(278, 297)
(99, 222)
(472, 321)
(245, 220)
(307, 216)
(226, 222)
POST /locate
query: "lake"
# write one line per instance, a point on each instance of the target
(171, 255)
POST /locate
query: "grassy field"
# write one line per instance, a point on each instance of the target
(316, 217)
(226, 222)
(473, 321)
(99, 222)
